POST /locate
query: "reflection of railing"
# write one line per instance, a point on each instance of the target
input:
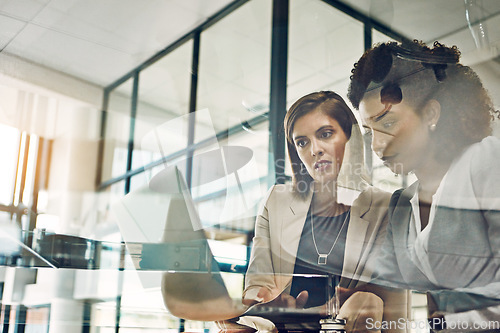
(19, 209)
(65, 251)
(60, 251)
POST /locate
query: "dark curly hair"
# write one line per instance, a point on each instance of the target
(331, 104)
(466, 107)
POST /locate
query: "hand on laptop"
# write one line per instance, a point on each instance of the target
(283, 300)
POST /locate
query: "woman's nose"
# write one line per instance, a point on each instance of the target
(379, 143)
(316, 148)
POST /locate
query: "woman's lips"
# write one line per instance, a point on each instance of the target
(321, 165)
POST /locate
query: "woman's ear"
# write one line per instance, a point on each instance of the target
(432, 112)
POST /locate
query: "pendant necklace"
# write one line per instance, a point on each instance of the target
(322, 257)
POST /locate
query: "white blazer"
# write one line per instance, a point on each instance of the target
(279, 227)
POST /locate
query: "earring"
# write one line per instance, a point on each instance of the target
(432, 127)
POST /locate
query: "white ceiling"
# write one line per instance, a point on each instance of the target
(97, 40)
(101, 40)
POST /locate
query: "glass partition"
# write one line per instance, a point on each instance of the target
(9, 153)
(324, 43)
(164, 95)
(117, 131)
(233, 81)
(77, 256)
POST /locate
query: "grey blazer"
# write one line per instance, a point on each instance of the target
(463, 247)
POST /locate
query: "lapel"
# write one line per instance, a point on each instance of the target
(401, 217)
(356, 245)
(400, 233)
(291, 224)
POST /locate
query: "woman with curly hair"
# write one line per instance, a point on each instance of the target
(430, 115)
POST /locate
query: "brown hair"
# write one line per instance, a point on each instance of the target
(332, 105)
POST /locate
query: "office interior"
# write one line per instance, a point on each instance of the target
(97, 98)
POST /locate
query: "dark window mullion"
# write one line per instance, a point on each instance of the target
(133, 115)
(277, 104)
(40, 167)
(368, 41)
(102, 137)
(192, 107)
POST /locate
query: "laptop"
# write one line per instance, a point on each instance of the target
(162, 230)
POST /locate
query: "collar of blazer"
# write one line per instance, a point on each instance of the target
(360, 234)
(402, 212)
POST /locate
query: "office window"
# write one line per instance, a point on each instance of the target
(379, 37)
(117, 131)
(231, 202)
(234, 68)
(324, 43)
(9, 154)
(164, 92)
(105, 226)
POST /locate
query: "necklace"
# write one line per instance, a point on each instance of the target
(322, 257)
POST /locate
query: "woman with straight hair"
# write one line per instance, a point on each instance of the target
(329, 222)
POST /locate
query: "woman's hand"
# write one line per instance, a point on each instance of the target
(288, 301)
(344, 293)
(231, 326)
(283, 300)
(264, 295)
(360, 307)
